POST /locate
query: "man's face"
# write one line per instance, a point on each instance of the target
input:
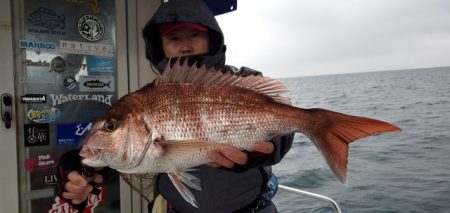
(184, 42)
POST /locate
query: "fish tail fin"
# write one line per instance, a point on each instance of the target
(332, 132)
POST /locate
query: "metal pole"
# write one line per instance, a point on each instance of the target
(312, 195)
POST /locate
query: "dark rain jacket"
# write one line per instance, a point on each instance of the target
(223, 190)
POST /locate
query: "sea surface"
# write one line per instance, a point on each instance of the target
(408, 171)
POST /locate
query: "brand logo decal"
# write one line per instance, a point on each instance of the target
(91, 27)
(85, 48)
(41, 162)
(50, 179)
(37, 134)
(71, 133)
(61, 99)
(97, 83)
(46, 21)
(45, 114)
(33, 98)
(39, 63)
(37, 45)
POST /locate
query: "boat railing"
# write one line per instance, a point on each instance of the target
(311, 195)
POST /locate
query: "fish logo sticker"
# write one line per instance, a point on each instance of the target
(37, 134)
(91, 27)
(96, 84)
(46, 21)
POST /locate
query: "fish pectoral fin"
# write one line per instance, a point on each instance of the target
(179, 179)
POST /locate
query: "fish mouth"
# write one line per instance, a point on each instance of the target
(91, 157)
(90, 153)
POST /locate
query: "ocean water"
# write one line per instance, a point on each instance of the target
(407, 171)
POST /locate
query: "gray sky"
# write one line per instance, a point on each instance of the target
(286, 38)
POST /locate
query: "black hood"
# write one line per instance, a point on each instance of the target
(193, 11)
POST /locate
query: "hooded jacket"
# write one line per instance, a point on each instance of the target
(195, 11)
(223, 190)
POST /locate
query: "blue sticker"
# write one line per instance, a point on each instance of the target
(71, 133)
(97, 64)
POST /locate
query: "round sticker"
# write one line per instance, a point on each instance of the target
(91, 27)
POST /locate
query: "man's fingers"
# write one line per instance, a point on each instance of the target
(227, 156)
(264, 147)
(236, 156)
(219, 159)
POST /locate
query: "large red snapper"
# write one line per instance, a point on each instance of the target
(188, 111)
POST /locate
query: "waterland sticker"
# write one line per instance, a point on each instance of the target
(71, 133)
(58, 99)
(96, 83)
(36, 134)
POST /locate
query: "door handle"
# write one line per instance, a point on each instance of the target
(6, 109)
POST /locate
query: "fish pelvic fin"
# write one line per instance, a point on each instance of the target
(179, 179)
(333, 132)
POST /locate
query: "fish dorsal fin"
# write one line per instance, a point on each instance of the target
(181, 72)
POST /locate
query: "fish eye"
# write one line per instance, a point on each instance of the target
(110, 125)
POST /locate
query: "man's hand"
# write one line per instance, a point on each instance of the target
(78, 188)
(227, 156)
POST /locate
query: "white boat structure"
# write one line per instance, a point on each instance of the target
(311, 195)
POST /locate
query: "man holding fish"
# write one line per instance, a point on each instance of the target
(234, 180)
